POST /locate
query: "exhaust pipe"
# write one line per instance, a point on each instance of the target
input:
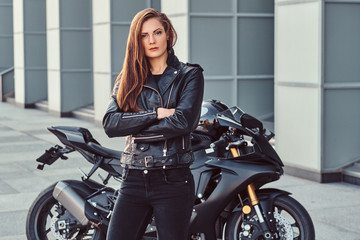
(73, 202)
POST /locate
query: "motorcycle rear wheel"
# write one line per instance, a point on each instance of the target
(41, 216)
(293, 221)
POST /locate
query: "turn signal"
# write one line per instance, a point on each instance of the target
(246, 209)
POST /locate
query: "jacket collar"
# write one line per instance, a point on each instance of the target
(169, 75)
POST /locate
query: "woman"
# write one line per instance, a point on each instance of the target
(156, 103)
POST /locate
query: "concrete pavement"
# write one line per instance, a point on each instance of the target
(334, 207)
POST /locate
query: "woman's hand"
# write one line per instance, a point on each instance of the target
(165, 112)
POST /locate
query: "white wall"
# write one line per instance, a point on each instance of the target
(298, 92)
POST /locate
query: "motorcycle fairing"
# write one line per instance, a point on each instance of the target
(235, 176)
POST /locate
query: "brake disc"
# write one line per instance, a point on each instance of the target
(60, 228)
(57, 235)
(284, 227)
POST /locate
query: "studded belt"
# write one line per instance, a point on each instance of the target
(176, 160)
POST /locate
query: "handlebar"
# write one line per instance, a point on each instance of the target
(218, 143)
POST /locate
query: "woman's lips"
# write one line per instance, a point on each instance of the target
(154, 49)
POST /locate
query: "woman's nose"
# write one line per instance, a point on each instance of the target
(152, 38)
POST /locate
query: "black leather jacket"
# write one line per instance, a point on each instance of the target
(157, 143)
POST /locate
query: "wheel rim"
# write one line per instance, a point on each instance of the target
(45, 220)
(286, 225)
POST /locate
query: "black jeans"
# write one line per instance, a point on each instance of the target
(168, 194)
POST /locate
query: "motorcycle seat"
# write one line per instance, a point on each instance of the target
(103, 151)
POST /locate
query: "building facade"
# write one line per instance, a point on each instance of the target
(290, 62)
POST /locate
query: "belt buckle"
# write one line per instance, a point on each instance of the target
(148, 159)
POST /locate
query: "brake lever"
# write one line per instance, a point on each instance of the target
(270, 136)
(238, 143)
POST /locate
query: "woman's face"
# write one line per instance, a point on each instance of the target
(154, 38)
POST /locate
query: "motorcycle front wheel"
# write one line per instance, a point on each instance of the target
(45, 211)
(292, 222)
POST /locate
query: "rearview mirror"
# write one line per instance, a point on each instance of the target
(250, 122)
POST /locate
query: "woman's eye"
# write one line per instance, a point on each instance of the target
(158, 32)
(144, 35)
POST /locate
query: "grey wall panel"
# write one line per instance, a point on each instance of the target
(156, 4)
(34, 22)
(256, 96)
(113, 78)
(342, 38)
(35, 53)
(235, 40)
(211, 44)
(6, 15)
(77, 90)
(125, 10)
(214, 6)
(255, 46)
(255, 6)
(6, 35)
(35, 82)
(6, 52)
(220, 90)
(342, 128)
(75, 14)
(8, 82)
(76, 50)
(119, 35)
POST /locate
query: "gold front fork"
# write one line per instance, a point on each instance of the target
(254, 202)
(250, 188)
(251, 191)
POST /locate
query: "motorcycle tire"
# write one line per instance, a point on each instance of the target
(41, 215)
(292, 222)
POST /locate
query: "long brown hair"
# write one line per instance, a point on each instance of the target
(136, 66)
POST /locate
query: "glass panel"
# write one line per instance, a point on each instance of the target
(211, 44)
(113, 79)
(35, 50)
(256, 96)
(75, 13)
(36, 85)
(342, 48)
(6, 20)
(119, 36)
(35, 15)
(212, 6)
(156, 4)
(341, 138)
(76, 50)
(79, 90)
(220, 90)
(256, 6)
(125, 10)
(255, 46)
(6, 52)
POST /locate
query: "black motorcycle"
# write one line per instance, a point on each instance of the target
(233, 160)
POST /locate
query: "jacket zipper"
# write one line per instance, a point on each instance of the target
(162, 105)
(167, 106)
(168, 102)
(157, 136)
(150, 137)
(139, 115)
